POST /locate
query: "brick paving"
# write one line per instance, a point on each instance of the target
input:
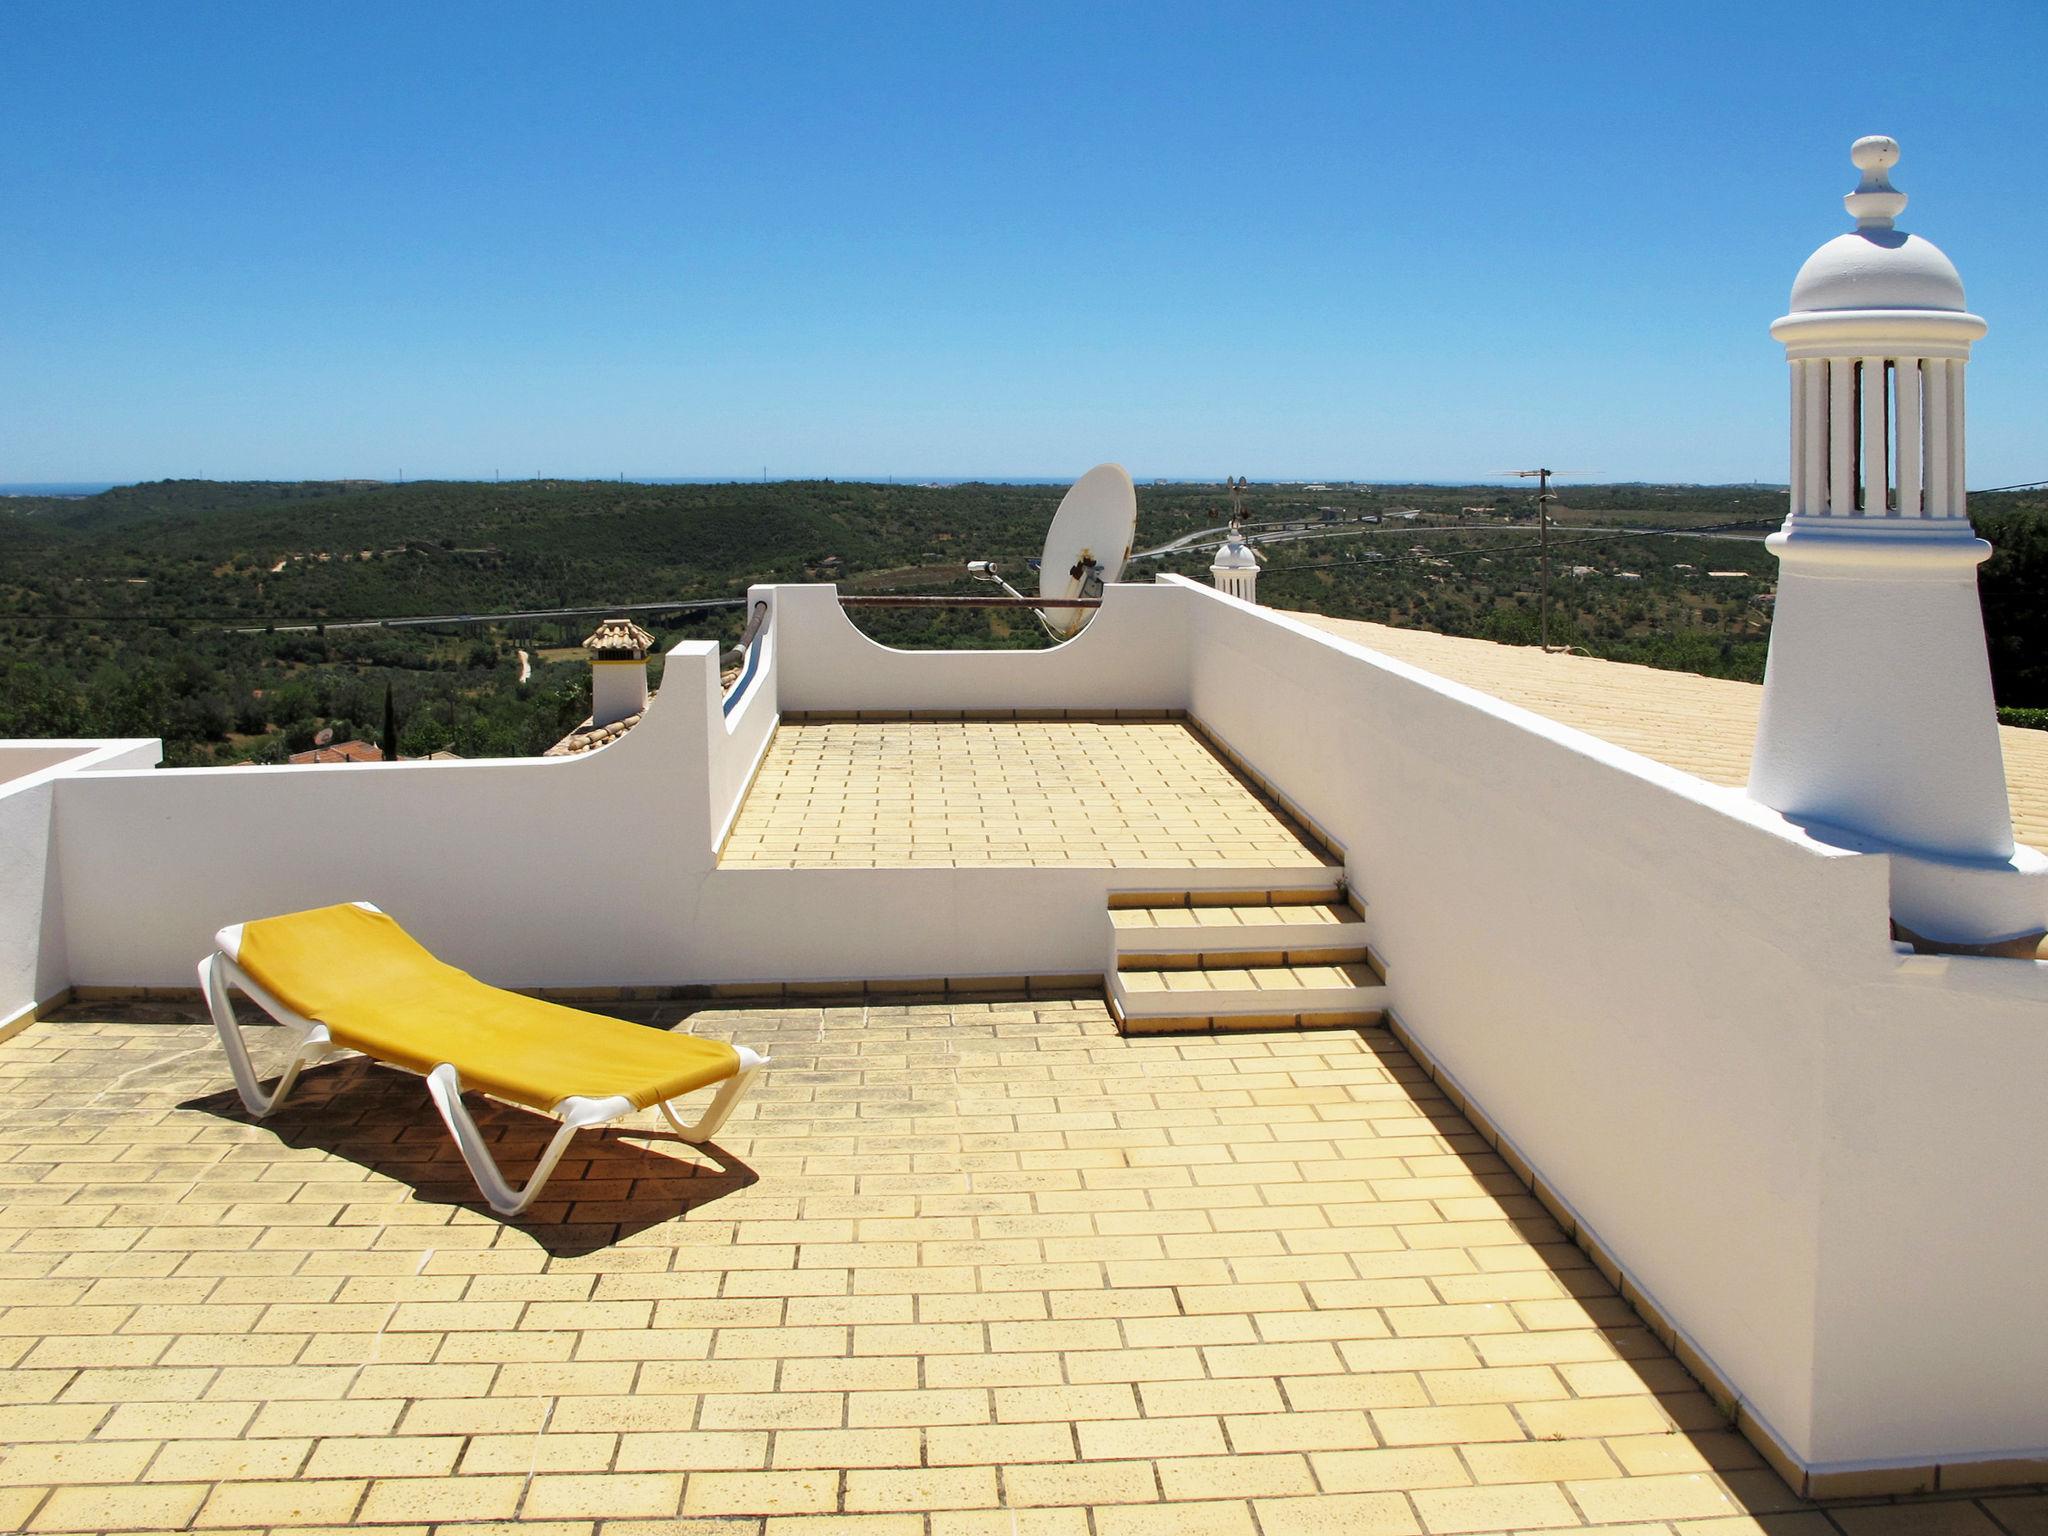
(1703, 725)
(955, 1270)
(1105, 793)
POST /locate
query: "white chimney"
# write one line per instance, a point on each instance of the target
(1236, 571)
(1878, 719)
(618, 671)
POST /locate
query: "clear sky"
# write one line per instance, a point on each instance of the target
(1376, 240)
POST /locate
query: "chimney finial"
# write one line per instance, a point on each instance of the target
(1875, 202)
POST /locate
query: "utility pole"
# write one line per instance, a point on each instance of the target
(1543, 499)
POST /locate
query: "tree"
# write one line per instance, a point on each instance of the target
(36, 701)
(2014, 586)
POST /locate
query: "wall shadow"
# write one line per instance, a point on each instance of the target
(1699, 1436)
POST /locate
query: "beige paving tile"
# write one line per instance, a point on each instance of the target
(1507, 1506)
(614, 1495)
(1042, 792)
(1338, 1514)
(296, 1502)
(1209, 1518)
(1919, 1519)
(761, 1493)
(921, 1488)
(117, 1508)
(989, 1263)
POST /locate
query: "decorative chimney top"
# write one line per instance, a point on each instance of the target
(1235, 570)
(1878, 338)
(1875, 202)
(1877, 266)
(619, 640)
(1235, 554)
(1878, 724)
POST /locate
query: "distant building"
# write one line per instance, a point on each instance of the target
(362, 752)
(340, 752)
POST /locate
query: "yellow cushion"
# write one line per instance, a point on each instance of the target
(379, 992)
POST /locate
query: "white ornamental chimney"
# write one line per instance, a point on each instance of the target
(1878, 719)
(1236, 571)
(618, 671)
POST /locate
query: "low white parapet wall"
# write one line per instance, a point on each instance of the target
(35, 960)
(1822, 1158)
(566, 871)
(1132, 655)
(1819, 1157)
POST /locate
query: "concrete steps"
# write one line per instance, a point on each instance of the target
(1288, 958)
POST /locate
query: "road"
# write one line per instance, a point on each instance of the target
(1748, 533)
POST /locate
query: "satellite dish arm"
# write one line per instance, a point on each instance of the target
(986, 571)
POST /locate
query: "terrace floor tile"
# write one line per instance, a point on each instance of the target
(955, 1268)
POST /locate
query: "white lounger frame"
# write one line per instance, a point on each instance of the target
(219, 970)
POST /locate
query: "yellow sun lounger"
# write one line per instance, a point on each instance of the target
(354, 980)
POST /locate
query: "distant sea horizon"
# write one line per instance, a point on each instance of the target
(96, 487)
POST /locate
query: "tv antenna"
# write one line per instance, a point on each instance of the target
(1543, 501)
(1085, 549)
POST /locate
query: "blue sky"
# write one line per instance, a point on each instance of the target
(1384, 241)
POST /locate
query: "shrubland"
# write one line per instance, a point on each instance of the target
(227, 618)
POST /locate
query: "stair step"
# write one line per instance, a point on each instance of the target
(1289, 954)
(1309, 888)
(1136, 1022)
(1291, 934)
(1244, 959)
(1272, 997)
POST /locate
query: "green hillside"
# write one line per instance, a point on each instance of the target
(173, 609)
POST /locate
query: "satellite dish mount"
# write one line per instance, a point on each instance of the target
(1085, 549)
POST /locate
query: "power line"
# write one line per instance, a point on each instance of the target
(255, 624)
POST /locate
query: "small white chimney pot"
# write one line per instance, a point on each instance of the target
(1236, 570)
(618, 671)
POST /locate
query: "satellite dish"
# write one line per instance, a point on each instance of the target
(1088, 543)
(324, 737)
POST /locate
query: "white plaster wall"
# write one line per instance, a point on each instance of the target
(1132, 655)
(530, 870)
(1932, 1308)
(897, 924)
(33, 966)
(1689, 1018)
(739, 739)
(1562, 921)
